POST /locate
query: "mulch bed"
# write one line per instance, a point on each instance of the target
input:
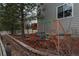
(49, 45)
(35, 41)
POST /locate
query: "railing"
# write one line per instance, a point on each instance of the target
(2, 49)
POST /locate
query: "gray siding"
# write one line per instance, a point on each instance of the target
(70, 24)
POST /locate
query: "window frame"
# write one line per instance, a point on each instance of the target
(63, 11)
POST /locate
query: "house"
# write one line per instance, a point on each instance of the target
(66, 13)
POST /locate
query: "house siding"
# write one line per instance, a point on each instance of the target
(70, 24)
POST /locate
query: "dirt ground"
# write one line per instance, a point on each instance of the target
(35, 42)
(16, 49)
(69, 46)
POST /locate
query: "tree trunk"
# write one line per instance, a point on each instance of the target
(12, 29)
(22, 20)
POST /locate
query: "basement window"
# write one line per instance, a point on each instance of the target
(64, 10)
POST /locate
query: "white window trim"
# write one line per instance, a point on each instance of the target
(67, 16)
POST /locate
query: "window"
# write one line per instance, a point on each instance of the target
(64, 10)
(60, 12)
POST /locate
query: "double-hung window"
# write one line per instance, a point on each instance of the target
(65, 10)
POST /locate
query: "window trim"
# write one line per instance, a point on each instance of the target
(63, 13)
